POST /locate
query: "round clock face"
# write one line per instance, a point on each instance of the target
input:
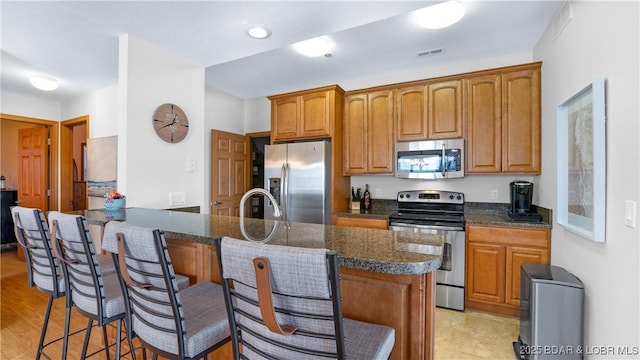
(171, 123)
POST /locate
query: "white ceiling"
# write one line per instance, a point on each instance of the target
(77, 41)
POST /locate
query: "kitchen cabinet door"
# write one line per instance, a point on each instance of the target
(380, 133)
(521, 121)
(315, 111)
(307, 114)
(483, 132)
(355, 127)
(445, 110)
(411, 113)
(284, 118)
(485, 272)
(368, 131)
(516, 256)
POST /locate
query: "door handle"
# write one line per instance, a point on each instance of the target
(216, 203)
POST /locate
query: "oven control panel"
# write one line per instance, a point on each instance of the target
(431, 196)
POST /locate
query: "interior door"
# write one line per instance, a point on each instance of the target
(230, 172)
(73, 134)
(32, 168)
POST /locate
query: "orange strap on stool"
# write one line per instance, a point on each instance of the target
(263, 283)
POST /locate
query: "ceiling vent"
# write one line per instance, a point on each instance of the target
(431, 52)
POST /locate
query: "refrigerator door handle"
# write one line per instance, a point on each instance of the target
(283, 193)
(286, 191)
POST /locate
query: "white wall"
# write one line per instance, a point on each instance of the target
(22, 105)
(102, 108)
(257, 115)
(224, 112)
(601, 40)
(149, 167)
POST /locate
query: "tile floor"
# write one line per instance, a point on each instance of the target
(474, 335)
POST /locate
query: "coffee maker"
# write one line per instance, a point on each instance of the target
(520, 208)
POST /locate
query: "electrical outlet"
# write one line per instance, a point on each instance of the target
(494, 194)
(378, 192)
(177, 198)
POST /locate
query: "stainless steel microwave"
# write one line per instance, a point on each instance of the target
(431, 159)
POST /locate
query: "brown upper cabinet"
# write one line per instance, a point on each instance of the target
(368, 133)
(309, 114)
(503, 121)
(431, 111)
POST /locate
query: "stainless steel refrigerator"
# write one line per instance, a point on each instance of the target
(298, 175)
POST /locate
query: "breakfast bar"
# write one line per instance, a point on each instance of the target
(386, 276)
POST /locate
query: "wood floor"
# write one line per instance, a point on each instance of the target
(458, 335)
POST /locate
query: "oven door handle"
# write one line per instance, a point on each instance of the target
(428, 227)
(444, 155)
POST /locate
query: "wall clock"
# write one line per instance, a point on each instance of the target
(171, 123)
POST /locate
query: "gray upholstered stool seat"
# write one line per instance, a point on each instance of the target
(171, 322)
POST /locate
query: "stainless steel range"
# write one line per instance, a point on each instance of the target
(438, 212)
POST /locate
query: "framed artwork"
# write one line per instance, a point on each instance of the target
(102, 169)
(582, 162)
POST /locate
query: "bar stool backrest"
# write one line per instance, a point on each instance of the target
(150, 285)
(43, 268)
(283, 301)
(85, 276)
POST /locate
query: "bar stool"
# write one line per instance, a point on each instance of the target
(43, 270)
(96, 294)
(171, 322)
(284, 302)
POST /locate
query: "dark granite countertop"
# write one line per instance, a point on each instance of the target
(475, 213)
(382, 251)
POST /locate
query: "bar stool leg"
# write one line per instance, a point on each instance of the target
(45, 324)
(65, 341)
(87, 336)
(105, 338)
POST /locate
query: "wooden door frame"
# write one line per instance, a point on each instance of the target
(54, 130)
(66, 158)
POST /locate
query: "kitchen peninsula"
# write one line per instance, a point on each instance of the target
(386, 277)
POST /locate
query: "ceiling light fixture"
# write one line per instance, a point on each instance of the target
(440, 15)
(313, 47)
(44, 83)
(258, 32)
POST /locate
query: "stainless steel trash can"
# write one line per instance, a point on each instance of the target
(551, 314)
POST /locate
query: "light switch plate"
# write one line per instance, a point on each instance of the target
(630, 213)
(191, 165)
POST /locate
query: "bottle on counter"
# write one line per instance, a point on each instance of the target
(367, 197)
(3, 184)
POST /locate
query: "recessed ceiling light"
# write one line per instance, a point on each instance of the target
(440, 15)
(44, 83)
(258, 32)
(313, 47)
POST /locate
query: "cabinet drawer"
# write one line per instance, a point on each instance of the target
(509, 235)
(360, 222)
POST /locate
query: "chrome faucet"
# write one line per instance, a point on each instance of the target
(276, 213)
(276, 209)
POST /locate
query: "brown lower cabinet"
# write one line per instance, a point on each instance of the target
(403, 302)
(494, 256)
